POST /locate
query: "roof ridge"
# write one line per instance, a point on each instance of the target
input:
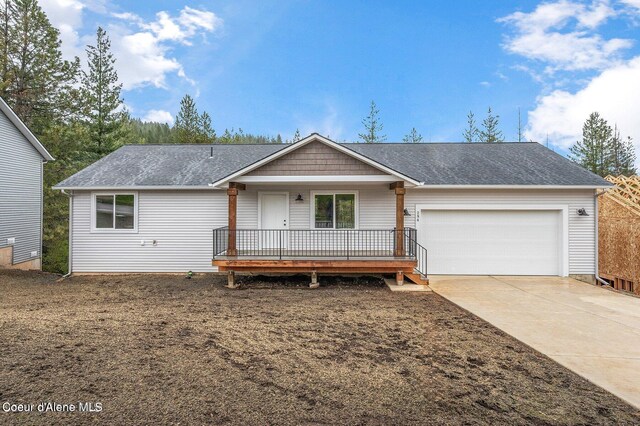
(339, 143)
(204, 144)
(440, 143)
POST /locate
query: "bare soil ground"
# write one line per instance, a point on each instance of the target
(167, 350)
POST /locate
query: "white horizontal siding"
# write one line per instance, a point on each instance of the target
(20, 192)
(370, 215)
(180, 221)
(376, 206)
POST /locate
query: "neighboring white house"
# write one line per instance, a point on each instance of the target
(21, 166)
(317, 205)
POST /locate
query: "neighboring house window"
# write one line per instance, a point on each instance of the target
(114, 212)
(334, 210)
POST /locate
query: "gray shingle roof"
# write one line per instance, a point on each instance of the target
(526, 163)
(168, 165)
(431, 163)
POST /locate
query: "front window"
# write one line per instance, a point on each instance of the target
(115, 211)
(335, 211)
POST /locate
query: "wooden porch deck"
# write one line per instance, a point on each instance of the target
(305, 254)
(314, 251)
(401, 267)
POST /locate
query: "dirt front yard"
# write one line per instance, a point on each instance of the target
(167, 350)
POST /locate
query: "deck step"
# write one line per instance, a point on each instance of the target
(417, 278)
(406, 287)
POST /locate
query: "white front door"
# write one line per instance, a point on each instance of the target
(274, 217)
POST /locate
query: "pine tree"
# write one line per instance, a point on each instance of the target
(629, 158)
(412, 137)
(471, 132)
(149, 132)
(36, 82)
(593, 152)
(296, 136)
(623, 155)
(67, 144)
(372, 126)
(103, 111)
(238, 136)
(191, 127)
(227, 137)
(490, 132)
(187, 126)
(208, 133)
(520, 136)
(6, 13)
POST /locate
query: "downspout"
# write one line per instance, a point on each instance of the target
(595, 205)
(42, 211)
(70, 258)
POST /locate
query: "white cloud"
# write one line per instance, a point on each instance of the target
(565, 48)
(165, 28)
(159, 116)
(187, 24)
(195, 19)
(66, 16)
(633, 3)
(142, 48)
(485, 84)
(562, 34)
(329, 125)
(146, 51)
(614, 94)
(545, 16)
(141, 60)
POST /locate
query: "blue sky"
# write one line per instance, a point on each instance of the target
(272, 67)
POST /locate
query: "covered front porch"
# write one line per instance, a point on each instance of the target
(332, 243)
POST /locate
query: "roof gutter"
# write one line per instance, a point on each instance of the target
(217, 186)
(131, 188)
(430, 186)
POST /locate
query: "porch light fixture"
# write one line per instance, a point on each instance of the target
(299, 198)
(582, 212)
(406, 212)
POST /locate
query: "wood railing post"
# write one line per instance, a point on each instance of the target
(233, 207)
(400, 191)
(232, 192)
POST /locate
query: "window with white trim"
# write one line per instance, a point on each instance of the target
(114, 212)
(334, 210)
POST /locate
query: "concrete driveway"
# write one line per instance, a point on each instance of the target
(592, 331)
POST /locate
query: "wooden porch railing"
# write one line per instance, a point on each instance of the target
(320, 243)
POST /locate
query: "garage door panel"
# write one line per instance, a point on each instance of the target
(492, 241)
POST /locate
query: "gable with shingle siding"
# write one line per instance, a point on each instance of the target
(315, 159)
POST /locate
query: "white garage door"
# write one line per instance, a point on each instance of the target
(492, 242)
